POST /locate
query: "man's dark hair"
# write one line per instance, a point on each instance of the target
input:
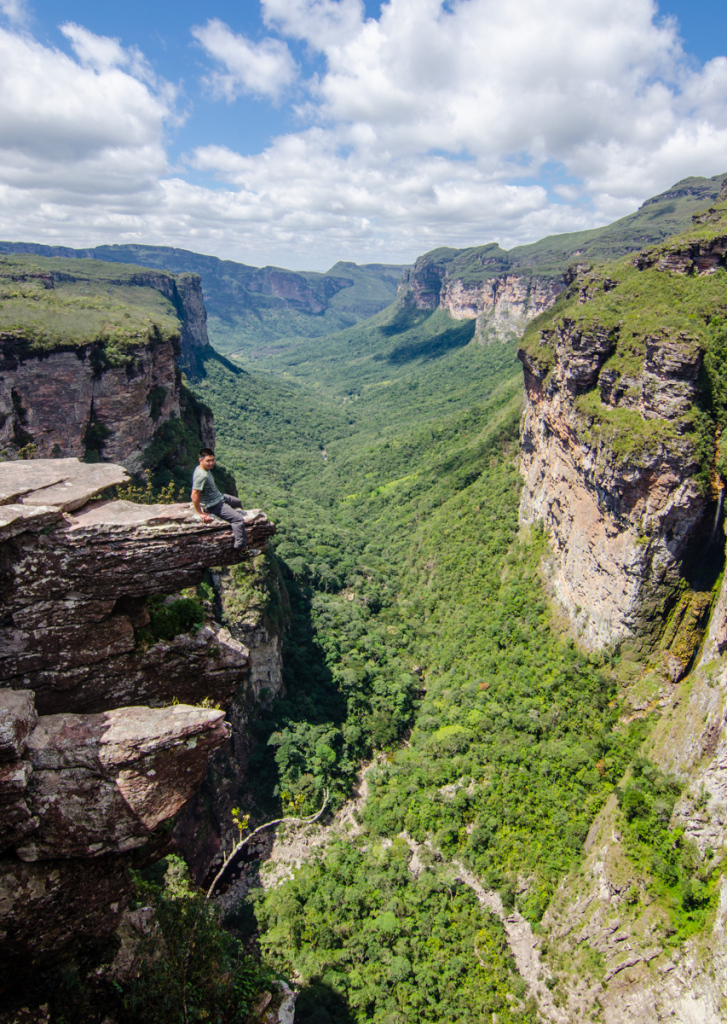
(206, 451)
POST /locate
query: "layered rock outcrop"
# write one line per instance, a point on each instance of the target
(75, 591)
(502, 303)
(614, 443)
(206, 827)
(87, 775)
(66, 397)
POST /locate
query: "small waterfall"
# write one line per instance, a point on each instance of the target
(718, 515)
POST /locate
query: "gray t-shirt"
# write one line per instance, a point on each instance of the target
(202, 480)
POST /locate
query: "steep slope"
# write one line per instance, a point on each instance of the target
(502, 291)
(624, 383)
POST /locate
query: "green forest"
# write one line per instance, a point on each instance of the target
(419, 632)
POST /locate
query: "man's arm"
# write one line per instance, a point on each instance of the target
(198, 508)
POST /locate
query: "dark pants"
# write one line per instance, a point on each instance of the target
(229, 510)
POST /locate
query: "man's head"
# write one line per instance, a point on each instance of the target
(206, 458)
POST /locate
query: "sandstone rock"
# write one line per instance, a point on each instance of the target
(619, 525)
(16, 819)
(15, 519)
(80, 483)
(75, 598)
(50, 910)
(206, 822)
(502, 304)
(103, 783)
(704, 256)
(65, 484)
(17, 720)
(34, 391)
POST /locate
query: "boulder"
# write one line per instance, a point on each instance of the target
(103, 783)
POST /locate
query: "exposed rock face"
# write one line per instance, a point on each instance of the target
(206, 823)
(103, 783)
(610, 465)
(85, 786)
(502, 303)
(502, 306)
(66, 484)
(56, 400)
(75, 599)
(74, 398)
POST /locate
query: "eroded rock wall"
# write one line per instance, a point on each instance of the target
(75, 399)
(502, 306)
(57, 400)
(206, 826)
(609, 457)
(502, 303)
(89, 772)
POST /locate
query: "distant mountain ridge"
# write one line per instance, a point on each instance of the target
(261, 308)
(264, 303)
(503, 290)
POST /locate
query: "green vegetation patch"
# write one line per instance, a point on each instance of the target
(682, 882)
(374, 944)
(624, 432)
(52, 303)
(189, 968)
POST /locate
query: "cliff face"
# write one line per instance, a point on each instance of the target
(478, 286)
(105, 386)
(87, 775)
(60, 401)
(617, 442)
(206, 826)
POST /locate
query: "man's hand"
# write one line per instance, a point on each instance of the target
(198, 508)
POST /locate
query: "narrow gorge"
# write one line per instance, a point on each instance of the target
(506, 601)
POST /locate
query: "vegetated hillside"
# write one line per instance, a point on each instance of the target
(247, 303)
(418, 611)
(63, 302)
(655, 220)
(397, 514)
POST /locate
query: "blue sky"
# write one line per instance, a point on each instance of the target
(299, 132)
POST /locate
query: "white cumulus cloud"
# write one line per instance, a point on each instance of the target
(263, 69)
(429, 116)
(435, 123)
(14, 10)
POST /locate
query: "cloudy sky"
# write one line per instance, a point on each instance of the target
(300, 132)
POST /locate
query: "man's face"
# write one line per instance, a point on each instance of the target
(207, 461)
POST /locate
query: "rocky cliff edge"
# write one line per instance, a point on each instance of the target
(620, 436)
(89, 772)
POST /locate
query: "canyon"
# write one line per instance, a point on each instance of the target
(112, 755)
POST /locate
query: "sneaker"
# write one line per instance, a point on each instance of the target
(253, 552)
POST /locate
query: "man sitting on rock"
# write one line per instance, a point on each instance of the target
(224, 506)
